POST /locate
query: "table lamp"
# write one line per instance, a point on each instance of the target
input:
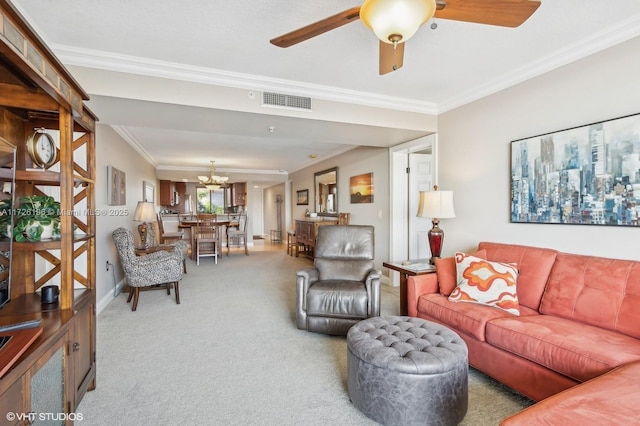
(436, 205)
(145, 213)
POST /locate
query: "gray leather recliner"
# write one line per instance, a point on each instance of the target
(343, 287)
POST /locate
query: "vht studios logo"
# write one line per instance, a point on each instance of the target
(43, 417)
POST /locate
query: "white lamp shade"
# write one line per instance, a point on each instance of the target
(389, 18)
(436, 204)
(145, 212)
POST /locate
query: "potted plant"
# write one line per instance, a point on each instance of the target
(37, 218)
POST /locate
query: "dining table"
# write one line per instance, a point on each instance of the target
(191, 225)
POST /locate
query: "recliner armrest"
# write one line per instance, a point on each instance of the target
(374, 274)
(304, 279)
(372, 283)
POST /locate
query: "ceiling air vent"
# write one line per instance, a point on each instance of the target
(278, 100)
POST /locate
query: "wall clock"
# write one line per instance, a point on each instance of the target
(42, 149)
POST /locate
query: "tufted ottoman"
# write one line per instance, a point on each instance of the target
(407, 371)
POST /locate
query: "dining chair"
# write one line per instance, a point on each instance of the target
(344, 218)
(206, 237)
(237, 235)
(153, 240)
(167, 237)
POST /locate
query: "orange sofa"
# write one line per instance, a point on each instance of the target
(578, 319)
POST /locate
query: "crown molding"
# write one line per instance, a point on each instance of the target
(150, 67)
(597, 42)
(131, 140)
(221, 170)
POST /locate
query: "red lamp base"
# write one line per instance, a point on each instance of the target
(436, 238)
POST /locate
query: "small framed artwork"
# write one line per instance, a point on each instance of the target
(303, 197)
(116, 187)
(148, 192)
(361, 188)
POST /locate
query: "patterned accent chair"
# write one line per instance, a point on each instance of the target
(161, 267)
(343, 287)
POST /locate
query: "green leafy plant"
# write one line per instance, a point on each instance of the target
(36, 212)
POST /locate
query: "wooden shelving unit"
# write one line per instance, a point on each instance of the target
(36, 91)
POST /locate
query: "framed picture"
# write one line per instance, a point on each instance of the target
(116, 187)
(587, 175)
(148, 192)
(303, 197)
(361, 188)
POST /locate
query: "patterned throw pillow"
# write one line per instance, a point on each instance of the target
(446, 271)
(486, 282)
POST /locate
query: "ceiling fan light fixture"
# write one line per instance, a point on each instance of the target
(396, 21)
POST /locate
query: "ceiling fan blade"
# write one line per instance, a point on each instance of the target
(391, 57)
(504, 13)
(317, 28)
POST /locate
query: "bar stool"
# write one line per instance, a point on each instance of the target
(292, 244)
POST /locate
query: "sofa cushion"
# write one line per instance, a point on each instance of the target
(467, 318)
(611, 399)
(576, 350)
(595, 290)
(534, 266)
(486, 283)
(446, 272)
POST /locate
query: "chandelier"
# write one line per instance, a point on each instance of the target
(213, 182)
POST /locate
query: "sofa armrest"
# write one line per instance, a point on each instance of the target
(416, 287)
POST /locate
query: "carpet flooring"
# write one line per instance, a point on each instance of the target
(230, 354)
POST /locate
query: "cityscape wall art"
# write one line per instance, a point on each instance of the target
(587, 175)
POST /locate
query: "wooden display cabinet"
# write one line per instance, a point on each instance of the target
(307, 232)
(36, 91)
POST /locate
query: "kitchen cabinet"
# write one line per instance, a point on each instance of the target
(167, 190)
(172, 193)
(238, 194)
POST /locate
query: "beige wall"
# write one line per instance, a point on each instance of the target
(352, 163)
(112, 150)
(271, 210)
(474, 142)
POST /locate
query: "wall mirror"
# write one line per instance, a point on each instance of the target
(326, 192)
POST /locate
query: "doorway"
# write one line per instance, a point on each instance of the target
(413, 168)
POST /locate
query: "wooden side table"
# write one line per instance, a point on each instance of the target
(407, 269)
(141, 251)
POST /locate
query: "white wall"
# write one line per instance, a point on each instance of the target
(112, 150)
(352, 163)
(474, 151)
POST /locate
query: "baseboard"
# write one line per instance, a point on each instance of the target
(108, 298)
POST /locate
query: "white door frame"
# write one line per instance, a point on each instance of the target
(399, 197)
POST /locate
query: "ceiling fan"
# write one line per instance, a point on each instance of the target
(395, 21)
(213, 182)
